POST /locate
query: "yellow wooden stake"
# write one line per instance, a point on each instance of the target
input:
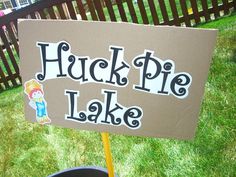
(107, 150)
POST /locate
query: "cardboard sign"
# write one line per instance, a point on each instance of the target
(115, 77)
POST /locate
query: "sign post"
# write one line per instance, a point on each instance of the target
(107, 150)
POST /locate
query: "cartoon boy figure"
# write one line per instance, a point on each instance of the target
(34, 90)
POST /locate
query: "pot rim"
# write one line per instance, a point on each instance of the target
(81, 168)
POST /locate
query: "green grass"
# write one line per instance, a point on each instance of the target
(31, 150)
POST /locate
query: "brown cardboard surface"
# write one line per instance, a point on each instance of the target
(162, 115)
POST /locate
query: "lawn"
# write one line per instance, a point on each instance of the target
(31, 150)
